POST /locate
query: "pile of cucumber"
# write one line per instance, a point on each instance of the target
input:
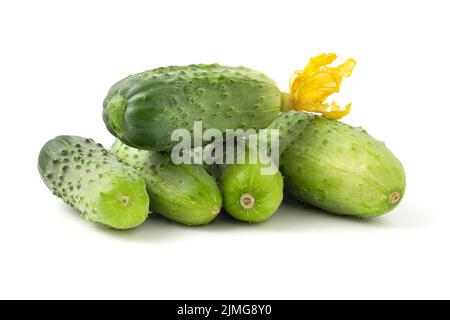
(324, 162)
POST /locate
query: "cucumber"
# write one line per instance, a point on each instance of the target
(90, 179)
(339, 168)
(144, 109)
(289, 124)
(183, 193)
(248, 194)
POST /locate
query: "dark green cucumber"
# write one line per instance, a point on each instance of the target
(339, 168)
(183, 193)
(248, 194)
(90, 179)
(144, 109)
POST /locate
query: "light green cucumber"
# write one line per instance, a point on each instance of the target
(183, 193)
(90, 179)
(249, 194)
(339, 168)
(144, 109)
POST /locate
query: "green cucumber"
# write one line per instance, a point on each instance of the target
(144, 109)
(248, 194)
(290, 124)
(90, 179)
(183, 193)
(339, 168)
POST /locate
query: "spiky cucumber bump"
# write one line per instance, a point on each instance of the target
(144, 109)
(340, 168)
(183, 193)
(90, 179)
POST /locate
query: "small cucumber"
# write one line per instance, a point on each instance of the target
(90, 179)
(183, 193)
(248, 194)
(144, 109)
(339, 168)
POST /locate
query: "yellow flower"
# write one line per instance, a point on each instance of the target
(313, 85)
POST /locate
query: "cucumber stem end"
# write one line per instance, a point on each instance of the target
(247, 201)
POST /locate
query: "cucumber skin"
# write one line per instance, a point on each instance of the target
(340, 168)
(144, 109)
(185, 194)
(87, 177)
(289, 124)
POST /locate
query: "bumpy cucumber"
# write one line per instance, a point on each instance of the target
(183, 193)
(340, 168)
(248, 194)
(90, 179)
(290, 125)
(144, 109)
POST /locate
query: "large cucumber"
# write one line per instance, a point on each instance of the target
(90, 179)
(249, 194)
(144, 109)
(339, 168)
(183, 193)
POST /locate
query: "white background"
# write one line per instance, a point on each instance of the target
(59, 58)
